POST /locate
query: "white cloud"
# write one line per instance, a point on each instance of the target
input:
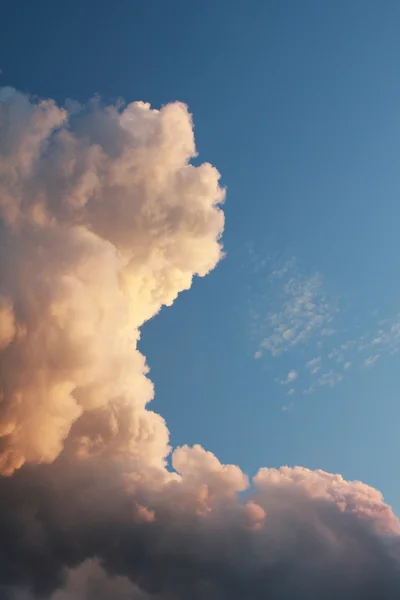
(296, 316)
(347, 345)
(309, 390)
(286, 267)
(386, 337)
(371, 360)
(291, 376)
(328, 331)
(305, 312)
(314, 365)
(336, 355)
(329, 379)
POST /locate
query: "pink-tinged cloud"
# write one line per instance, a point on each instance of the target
(103, 221)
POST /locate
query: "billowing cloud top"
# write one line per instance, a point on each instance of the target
(103, 220)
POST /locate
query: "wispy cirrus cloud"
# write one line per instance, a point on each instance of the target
(330, 378)
(299, 330)
(303, 312)
(385, 337)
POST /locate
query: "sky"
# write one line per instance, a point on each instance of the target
(296, 104)
(287, 352)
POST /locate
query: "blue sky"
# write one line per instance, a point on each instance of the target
(298, 105)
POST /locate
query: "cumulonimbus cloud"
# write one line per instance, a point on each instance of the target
(104, 220)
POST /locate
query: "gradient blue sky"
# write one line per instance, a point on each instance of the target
(297, 103)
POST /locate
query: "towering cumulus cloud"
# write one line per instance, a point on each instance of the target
(103, 220)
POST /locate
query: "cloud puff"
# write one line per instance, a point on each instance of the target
(103, 221)
(371, 360)
(291, 376)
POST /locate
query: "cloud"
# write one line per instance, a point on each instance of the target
(328, 331)
(330, 378)
(302, 313)
(298, 533)
(304, 319)
(336, 355)
(89, 581)
(103, 221)
(292, 320)
(371, 360)
(384, 339)
(314, 365)
(291, 376)
(287, 266)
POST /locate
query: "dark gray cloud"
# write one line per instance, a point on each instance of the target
(54, 518)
